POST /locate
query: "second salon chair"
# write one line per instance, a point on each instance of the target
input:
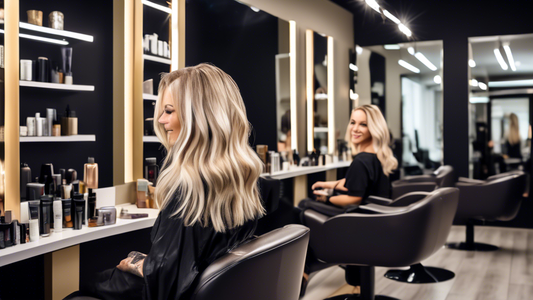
(496, 199)
(442, 177)
(378, 235)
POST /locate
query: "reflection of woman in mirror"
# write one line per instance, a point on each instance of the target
(368, 175)
(284, 142)
(207, 190)
(512, 141)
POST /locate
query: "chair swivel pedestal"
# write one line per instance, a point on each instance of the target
(366, 278)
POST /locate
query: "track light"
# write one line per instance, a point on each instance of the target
(358, 49)
(411, 50)
(404, 29)
(500, 60)
(391, 17)
(437, 79)
(408, 66)
(482, 86)
(425, 61)
(471, 63)
(354, 68)
(392, 47)
(509, 54)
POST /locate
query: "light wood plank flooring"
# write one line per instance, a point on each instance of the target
(506, 274)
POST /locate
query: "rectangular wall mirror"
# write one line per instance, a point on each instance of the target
(500, 104)
(319, 81)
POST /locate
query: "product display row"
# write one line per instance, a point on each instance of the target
(52, 124)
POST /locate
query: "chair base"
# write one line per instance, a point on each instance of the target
(420, 274)
(359, 297)
(472, 247)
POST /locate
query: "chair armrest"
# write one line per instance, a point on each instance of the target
(408, 199)
(378, 200)
(419, 178)
(399, 190)
(468, 180)
(380, 209)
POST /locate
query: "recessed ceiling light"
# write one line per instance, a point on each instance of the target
(511, 83)
(392, 47)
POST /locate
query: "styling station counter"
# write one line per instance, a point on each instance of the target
(69, 237)
(299, 171)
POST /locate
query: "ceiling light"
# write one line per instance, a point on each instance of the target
(157, 6)
(482, 86)
(471, 63)
(373, 4)
(425, 61)
(509, 54)
(437, 79)
(40, 38)
(408, 66)
(391, 17)
(358, 49)
(255, 9)
(474, 100)
(499, 57)
(404, 29)
(474, 82)
(354, 68)
(392, 47)
(517, 63)
(411, 50)
(511, 83)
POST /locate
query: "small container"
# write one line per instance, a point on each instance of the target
(56, 20)
(67, 213)
(47, 215)
(34, 219)
(58, 215)
(23, 131)
(153, 44)
(35, 17)
(160, 48)
(26, 69)
(30, 123)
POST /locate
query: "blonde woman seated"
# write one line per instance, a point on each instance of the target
(207, 190)
(368, 175)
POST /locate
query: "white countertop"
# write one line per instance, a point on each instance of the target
(299, 171)
(69, 237)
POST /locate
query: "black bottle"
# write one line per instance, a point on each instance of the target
(151, 170)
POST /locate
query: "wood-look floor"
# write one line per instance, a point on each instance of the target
(506, 274)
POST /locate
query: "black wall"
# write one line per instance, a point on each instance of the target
(92, 64)
(453, 22)
(243, 43)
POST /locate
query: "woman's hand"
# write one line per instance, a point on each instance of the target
(133, 263)
(323, 184)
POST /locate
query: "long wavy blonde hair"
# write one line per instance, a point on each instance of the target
(514, 130)
(210, 167)
(379, 131)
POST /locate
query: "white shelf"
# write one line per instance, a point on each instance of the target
(69, 237)
(149, 97)
(56, 32)
(57, 86)
(321, 129)
(299, 171)
(67, 138)
(157, 59)
(150, 139)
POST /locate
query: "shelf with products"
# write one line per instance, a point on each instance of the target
(295, 171)
(67, 138)
(149, 97)
(158, 59)
(49, 35)
(56, 86)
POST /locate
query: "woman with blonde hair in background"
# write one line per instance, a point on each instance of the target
(513, 144)
(207, 191)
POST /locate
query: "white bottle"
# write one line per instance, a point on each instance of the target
(38, 125)
(34, 230)
(58, 216)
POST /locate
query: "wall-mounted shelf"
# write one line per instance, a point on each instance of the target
(157, 59)
(57, 86)
(67, 138)
(149, 97)
(150, 139)
(299, 171)
(27, 27)
(321, 129)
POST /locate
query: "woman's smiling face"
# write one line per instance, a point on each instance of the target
(359, 132)
(169, 118)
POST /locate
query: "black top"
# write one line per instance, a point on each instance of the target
(365, 177)
(179, 253)
(513, 151)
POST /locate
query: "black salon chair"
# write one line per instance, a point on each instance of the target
(497, 198)
(442, 177)
(265, 268)
(379, 235)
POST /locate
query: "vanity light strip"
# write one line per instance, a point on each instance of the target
(157, 6)
(39, 38)
(70, 34)
(309, 54)
(292, 61)
(331, 96)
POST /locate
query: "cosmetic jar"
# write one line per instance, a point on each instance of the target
(30, 123)
(26, 69)
(107, 215)
(56, 20)
(23, 131)
(35, 17)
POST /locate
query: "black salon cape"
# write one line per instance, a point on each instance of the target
(178, 255)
